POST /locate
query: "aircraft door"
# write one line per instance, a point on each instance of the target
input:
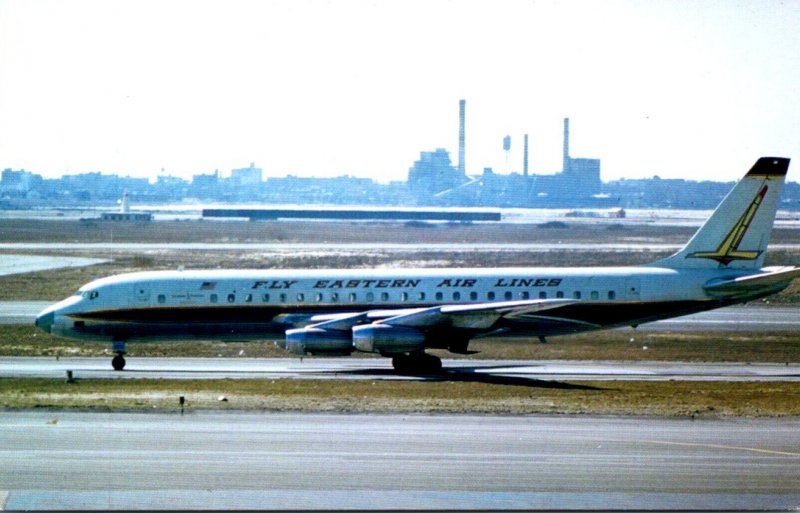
(633, 289)
(142, 293)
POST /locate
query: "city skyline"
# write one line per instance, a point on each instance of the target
(313, 88)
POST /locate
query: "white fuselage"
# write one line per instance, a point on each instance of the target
(259, 304)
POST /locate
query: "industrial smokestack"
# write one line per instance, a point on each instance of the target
(566, 145)
(525, 157)
(461, 123)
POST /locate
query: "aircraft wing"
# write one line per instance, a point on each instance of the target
(473, 317)
(774, 278)
(479, 316)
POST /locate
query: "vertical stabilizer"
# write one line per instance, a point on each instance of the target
(737, 233)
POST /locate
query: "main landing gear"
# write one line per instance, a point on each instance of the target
(417, 363)
(119, 347)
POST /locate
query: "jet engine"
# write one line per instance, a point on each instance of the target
(386, 339)
(318, 341)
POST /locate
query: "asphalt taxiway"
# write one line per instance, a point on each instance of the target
(68, 460)
(381, 368)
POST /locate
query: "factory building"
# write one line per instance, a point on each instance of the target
(434, 174)
(433, 180)
(582, 176)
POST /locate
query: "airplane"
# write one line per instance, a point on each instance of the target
(400, 313)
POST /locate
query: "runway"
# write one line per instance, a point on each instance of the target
(15, 264)
(21, 312)
(754, 317)
(751, 317)
(65, 460)
(381, 368)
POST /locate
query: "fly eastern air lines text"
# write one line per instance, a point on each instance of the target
(409, 283)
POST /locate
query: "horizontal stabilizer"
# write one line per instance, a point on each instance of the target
(773, 280)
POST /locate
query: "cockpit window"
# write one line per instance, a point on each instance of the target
(90, 294)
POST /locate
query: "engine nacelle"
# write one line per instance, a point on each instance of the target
(385, 339)
(318, 341)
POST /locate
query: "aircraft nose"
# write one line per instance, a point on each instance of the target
(44, 321)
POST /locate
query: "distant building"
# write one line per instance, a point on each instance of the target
(337, 190)
(246, 176)
(97, 187)
(583, 175)
(170, 181)
(19, 182)
(126, 216)
(201, 181)
(433, 174)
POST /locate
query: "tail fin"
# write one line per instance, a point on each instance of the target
(737, 233)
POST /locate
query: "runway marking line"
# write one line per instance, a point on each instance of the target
(709, 446)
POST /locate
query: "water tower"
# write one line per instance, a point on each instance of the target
(507, 148)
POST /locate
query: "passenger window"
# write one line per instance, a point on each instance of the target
(490, 296)
(248, 298)
(404, 296)
(560, 294)
(162, 299)
(439, 296)
(384, 296)
(265, 298)
(542, 295)
(509, 296)
(370, 296)
(283, 297)
(334, 297)
(421, 296)
(577, 294)
(300, 297)
(525, 295)
(595, 294)
(319, 298)
(231, 298)
(473, 296)
(456, 296)
(612, 295)
(353, 297)
(213, 298)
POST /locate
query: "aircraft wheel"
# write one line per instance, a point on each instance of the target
(431, 363)
(400, 363)
(419, 364)
(118, 362)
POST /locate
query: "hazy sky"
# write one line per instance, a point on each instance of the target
(691, 89)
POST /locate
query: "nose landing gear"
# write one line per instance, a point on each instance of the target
(118, 362)
(119, 347)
